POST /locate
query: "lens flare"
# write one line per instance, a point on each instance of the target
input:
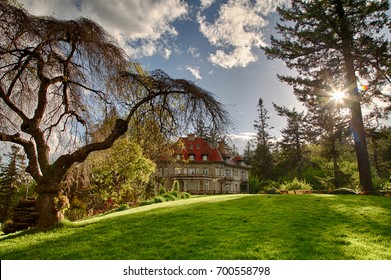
(338, 96)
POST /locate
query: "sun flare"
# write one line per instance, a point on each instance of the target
(338, 96)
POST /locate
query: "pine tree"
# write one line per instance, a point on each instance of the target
(294, 137)
(344, 37)
(11, 178)
(262, 160)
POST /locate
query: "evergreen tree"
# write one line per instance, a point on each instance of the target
(343, 36)
(262, 160)
(11, 178)
(294, 137)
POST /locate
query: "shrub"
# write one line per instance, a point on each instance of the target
(175, 186)
(158, 199)
(162, 190)
(295, 184)
(122, 207)
(342, 191)
(175, 194)
(185, 195)
(168, 197)
(147, 202)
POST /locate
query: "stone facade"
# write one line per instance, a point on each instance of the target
(202, 168)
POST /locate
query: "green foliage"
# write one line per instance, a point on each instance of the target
(13, 182)
(185, 195)
(122, 207)
(175, 186)
(175, 194)
(61, 203)
(162, 190)
(108, 178)
(158, 199)
(295, 184)
(168, 197)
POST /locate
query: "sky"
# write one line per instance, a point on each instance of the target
(214, 43)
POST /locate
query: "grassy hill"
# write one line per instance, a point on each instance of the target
(222, 227)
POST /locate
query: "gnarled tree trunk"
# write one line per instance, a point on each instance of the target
(50, 203)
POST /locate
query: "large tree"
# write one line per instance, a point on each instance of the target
(57, 81)
(343, 37)
(262, 160)
(294, 138)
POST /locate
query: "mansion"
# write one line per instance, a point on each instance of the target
(203, 168)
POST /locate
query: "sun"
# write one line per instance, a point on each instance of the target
(338, 96)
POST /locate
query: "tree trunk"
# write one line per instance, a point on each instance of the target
(49, 212)
(50, 204)
(335, 163)
(357, 125)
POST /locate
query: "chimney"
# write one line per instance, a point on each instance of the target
(191, 137)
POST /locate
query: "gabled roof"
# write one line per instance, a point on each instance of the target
(199, 147)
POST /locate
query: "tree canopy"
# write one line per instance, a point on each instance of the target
(60, 78)
(344, 40)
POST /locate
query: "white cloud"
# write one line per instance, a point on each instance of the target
(139, 25)
(206, 3)
(193, 51)
(237, 31)
(195, 72)
(167, 53)
(241, 139)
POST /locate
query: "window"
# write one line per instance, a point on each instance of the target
(191, 171)
(191, 157)
(228, 172)
(178, 170)
(217, 171)
(205, 157)
(205, 171)
(206, 186)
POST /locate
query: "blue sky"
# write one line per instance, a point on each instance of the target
(215, 43)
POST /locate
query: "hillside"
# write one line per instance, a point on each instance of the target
(222, 227)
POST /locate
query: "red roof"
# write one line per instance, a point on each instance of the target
(199, 147)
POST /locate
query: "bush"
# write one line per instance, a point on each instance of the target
(175, 186)
(168, 197)
(122, 207)
(342, 191)
(185, 195)
(162, 191)
(176, 194)
(147, 202)
(295, 184)
(158, 199)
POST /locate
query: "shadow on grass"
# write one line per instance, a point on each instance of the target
(251, 227)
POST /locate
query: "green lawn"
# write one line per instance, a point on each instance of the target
(282, 227)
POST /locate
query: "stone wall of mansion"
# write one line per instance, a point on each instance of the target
(203, 168)
(207, 178)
